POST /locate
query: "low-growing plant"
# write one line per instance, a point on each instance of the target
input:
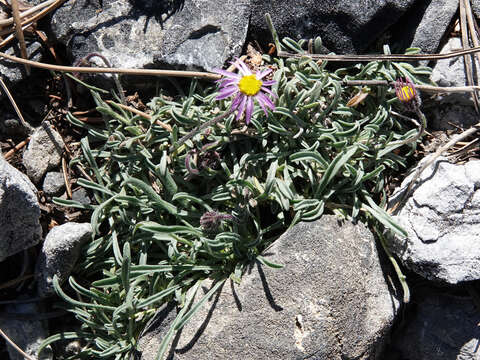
(169, 215)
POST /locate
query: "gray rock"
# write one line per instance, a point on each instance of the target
(138, 34)
(443, 327)
(476, 8)
(345, 26)
(10, 125)
(54, 183)
(450, 72)
(455, 108)
(434, 23)
(59, 253)
(330, 301)
(27, 333)
(443, 223)
(13, 72)
(445, 112)
(44, 152)
(19, 211)
(81, 195)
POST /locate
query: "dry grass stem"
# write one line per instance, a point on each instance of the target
(473, 34)
(15, 281)
(382, 57)
(19, 32)
(17, 147)
(425, 88)
(466, 45)
(65, 177)
(15, 346)
(144, 72)
(12, 101)
(24, 14)
(36, 17)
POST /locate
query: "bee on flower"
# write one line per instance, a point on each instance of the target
(246, 88)
(407, 94)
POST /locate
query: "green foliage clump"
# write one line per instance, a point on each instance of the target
(167, 219)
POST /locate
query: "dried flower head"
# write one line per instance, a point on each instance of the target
(211, 220)
(246, 87)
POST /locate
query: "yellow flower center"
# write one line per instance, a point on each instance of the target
(249, 85)
(407, 93)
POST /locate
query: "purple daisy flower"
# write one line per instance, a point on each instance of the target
(246, 87)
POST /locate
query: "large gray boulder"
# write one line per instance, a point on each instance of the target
(19, 211)
(441, 218)
(443, 327)
(149, 33)
(330, 301)
(59, 254)
(345, 26)
(435, 19)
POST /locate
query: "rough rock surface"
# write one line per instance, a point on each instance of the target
(443, 223)
(476, 8)
(435, 17)
(27, 333)
(19, 211)
(455, 108)
(345, 26)
(151, 33)
(54, 183)
(10, 125)
(12, 72)
(81, 195)
(330, 301)
(44, 152)
(59, 253)
(443, 327)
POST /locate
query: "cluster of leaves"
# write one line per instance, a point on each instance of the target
(169, 217)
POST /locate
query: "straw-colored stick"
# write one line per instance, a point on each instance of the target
(19, 32)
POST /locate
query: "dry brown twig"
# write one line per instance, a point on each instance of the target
(17, 147)
(15, 346)
(19, 32)
(12, 101)
(466, 45)
(25, 11)
(31, 20)
(65, 177)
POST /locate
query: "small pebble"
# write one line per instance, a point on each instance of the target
(53, 184)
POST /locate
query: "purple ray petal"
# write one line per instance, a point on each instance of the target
(263, 88)
(226, 73)
(262, 98)
(236, 101)
(269, 82)
(241, 107)
(226, 92)
(262, 105)
(248, 110)
(240, 65)
(263, 73)
(228, 82)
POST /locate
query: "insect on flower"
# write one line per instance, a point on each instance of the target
(406, 93)
(246, 87)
